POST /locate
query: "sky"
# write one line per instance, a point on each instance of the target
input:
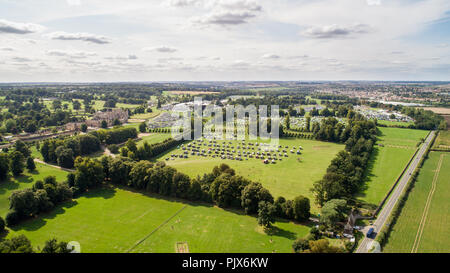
(223, 40)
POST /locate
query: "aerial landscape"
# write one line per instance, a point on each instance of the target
(190, 126)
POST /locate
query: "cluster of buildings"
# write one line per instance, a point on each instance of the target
(109, 116)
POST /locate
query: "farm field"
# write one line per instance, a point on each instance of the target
(26, 181)
(288, 178)
(388, 161)
(406, 235)
(98, 219)
(442, 140)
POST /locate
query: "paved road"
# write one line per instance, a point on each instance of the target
(366, 244)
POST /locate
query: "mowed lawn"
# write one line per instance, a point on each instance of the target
(26, 181)
(114, 220)
(288, 178)
(153, 138)
(388, 161)
(437, 225)
(401, 136)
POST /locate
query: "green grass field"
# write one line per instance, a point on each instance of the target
(114, 220)
(388, 161)
(442, 140)
(155, 112)
(154, 138)
(26, 181)
(434, 237)
(395, 123)
(288, 178)
(401, 137)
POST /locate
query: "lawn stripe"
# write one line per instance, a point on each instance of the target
(156, 229)
(427, 207)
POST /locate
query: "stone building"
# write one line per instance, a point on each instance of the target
(109, 116)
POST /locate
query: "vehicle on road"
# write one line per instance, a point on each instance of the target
(370, 233)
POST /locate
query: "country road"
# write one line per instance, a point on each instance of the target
(384, 214)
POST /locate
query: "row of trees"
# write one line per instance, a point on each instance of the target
(21, 244)
(345, 174)
(147, 151)
(116, 135)
(64, 151)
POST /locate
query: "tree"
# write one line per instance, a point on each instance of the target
(308, 124)
(301, 208)
(300, 245)
(4, 166)
(2, 225)
(76, 105)
(21, 147)
(17, 163)
(88, 174)
(131, 145)
(53, 246)
(287, 122)
(322, 246)
(17, 244)
(116, 122)
(30, 164)
(266, 213)
(104, 124)
(64, 157)
(83, 127)
(252, 194)
(333, 211)
(142, 127)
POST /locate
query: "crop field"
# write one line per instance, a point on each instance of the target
(26, 181)
(292, 176)
(425, 219)
(117, 220)
(387, 161)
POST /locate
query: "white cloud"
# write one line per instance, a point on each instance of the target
(161, 49)
(86, 37)
(7, 49)
(270, 56)
(18, 28)
(225, 17)
(336, 31)
(373, 2)
(73, 2)
(70, 54)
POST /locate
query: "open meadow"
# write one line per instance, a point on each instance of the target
(292, 176)
(388, 160)
(26, 181)
(116, 220)
(153, 138)
(425, 219)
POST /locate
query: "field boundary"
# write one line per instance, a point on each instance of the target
(426, 209)
(156, 229)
